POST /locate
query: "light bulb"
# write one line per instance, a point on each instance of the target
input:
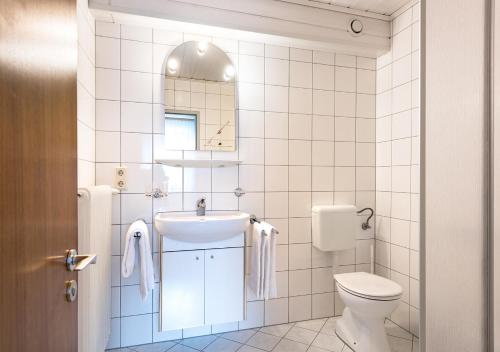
(202, 47)
(172, 66)
(228, 72)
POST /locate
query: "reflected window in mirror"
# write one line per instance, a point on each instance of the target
(181, 130)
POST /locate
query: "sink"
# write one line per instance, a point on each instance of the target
(215, 226)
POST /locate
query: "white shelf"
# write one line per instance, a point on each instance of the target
(198, 163)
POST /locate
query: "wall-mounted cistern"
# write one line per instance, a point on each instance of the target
(201, 206)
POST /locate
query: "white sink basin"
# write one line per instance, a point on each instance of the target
(215, 226)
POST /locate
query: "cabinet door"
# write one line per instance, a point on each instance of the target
(224, 285)
(182, 301)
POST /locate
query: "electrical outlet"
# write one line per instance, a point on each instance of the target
(121, 178)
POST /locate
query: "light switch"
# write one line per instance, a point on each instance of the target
(121, 178)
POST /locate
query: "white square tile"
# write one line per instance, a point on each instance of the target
(107, 146)
(345, 129)
(197, 180)
(402, 125)
(168, 37)
(277, 52)
(142, 34)
(365, 81)
(300, 126)
(136, 56)
(345, 154)
(365, 105)
(136, 148)
(107, 52)
(300, 74)
(136, 330)
(383, 130)
(277, 72)
(322, 153)
(322, 57)
(401, 178)
(300, 55)
(365, 178)
(323, 128)
(345, 179)
(251, 123)
(384, 104)
(131, 301)
(401, 151)
(107, 84)
(136, 86)
(323, 77)
(401, 71)
(401, 206)
(251, 177)
(251, 69)
(276, 152)
(135, 206)
(224, 179)
(322, 280)
(276, 98)
(345, 104)
(300, 230)
(401, 43)
(276, 204)
(107, 115)
(366, 63)
(251, 150)
(365, 130)
(299, 178)
(323, 102)
(300, 152)
(300, 204)
(136, 117)
(300, 282)
(107, 29)
(384, 79)
(322, 178)
(300, 308)
(249, 48)
(345, 79)
(300, 100)
(139, 178)
(251, 96)
(322, 305)
(276, 178)
(400, 259)
(365, 154)
(276, 311)
(345, 60)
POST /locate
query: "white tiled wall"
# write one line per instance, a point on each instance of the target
(397, 161)
(306, 137)
(86, 95)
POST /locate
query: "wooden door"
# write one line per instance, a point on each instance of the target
(38, 203)
(183, 287)
(224, 289)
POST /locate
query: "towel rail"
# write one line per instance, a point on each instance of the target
(254, 219)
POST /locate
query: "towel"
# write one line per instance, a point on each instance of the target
(146, 259)
(262, 279)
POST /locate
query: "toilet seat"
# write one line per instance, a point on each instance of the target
(369, 286)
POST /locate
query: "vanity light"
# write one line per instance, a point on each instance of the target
(202, 48)
(172, 66)
(229, 72)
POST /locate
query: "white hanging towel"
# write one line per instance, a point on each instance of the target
(147, 281)
(262, 279)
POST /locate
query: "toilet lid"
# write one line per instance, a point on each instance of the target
(369, 285)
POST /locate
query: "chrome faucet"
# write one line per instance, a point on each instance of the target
(201, 206)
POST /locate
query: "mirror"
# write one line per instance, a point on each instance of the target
(200, 98)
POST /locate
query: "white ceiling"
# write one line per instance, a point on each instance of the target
(381, 7)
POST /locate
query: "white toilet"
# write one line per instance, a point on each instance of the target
(368, 298)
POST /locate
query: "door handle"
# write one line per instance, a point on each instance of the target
(78, 262)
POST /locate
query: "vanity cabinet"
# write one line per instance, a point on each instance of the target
(202, 287)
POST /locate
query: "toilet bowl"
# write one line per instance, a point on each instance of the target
(368, 300)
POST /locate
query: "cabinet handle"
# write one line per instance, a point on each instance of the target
(197, 258)
(211, 257)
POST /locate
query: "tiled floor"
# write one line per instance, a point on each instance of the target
(312, 336)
